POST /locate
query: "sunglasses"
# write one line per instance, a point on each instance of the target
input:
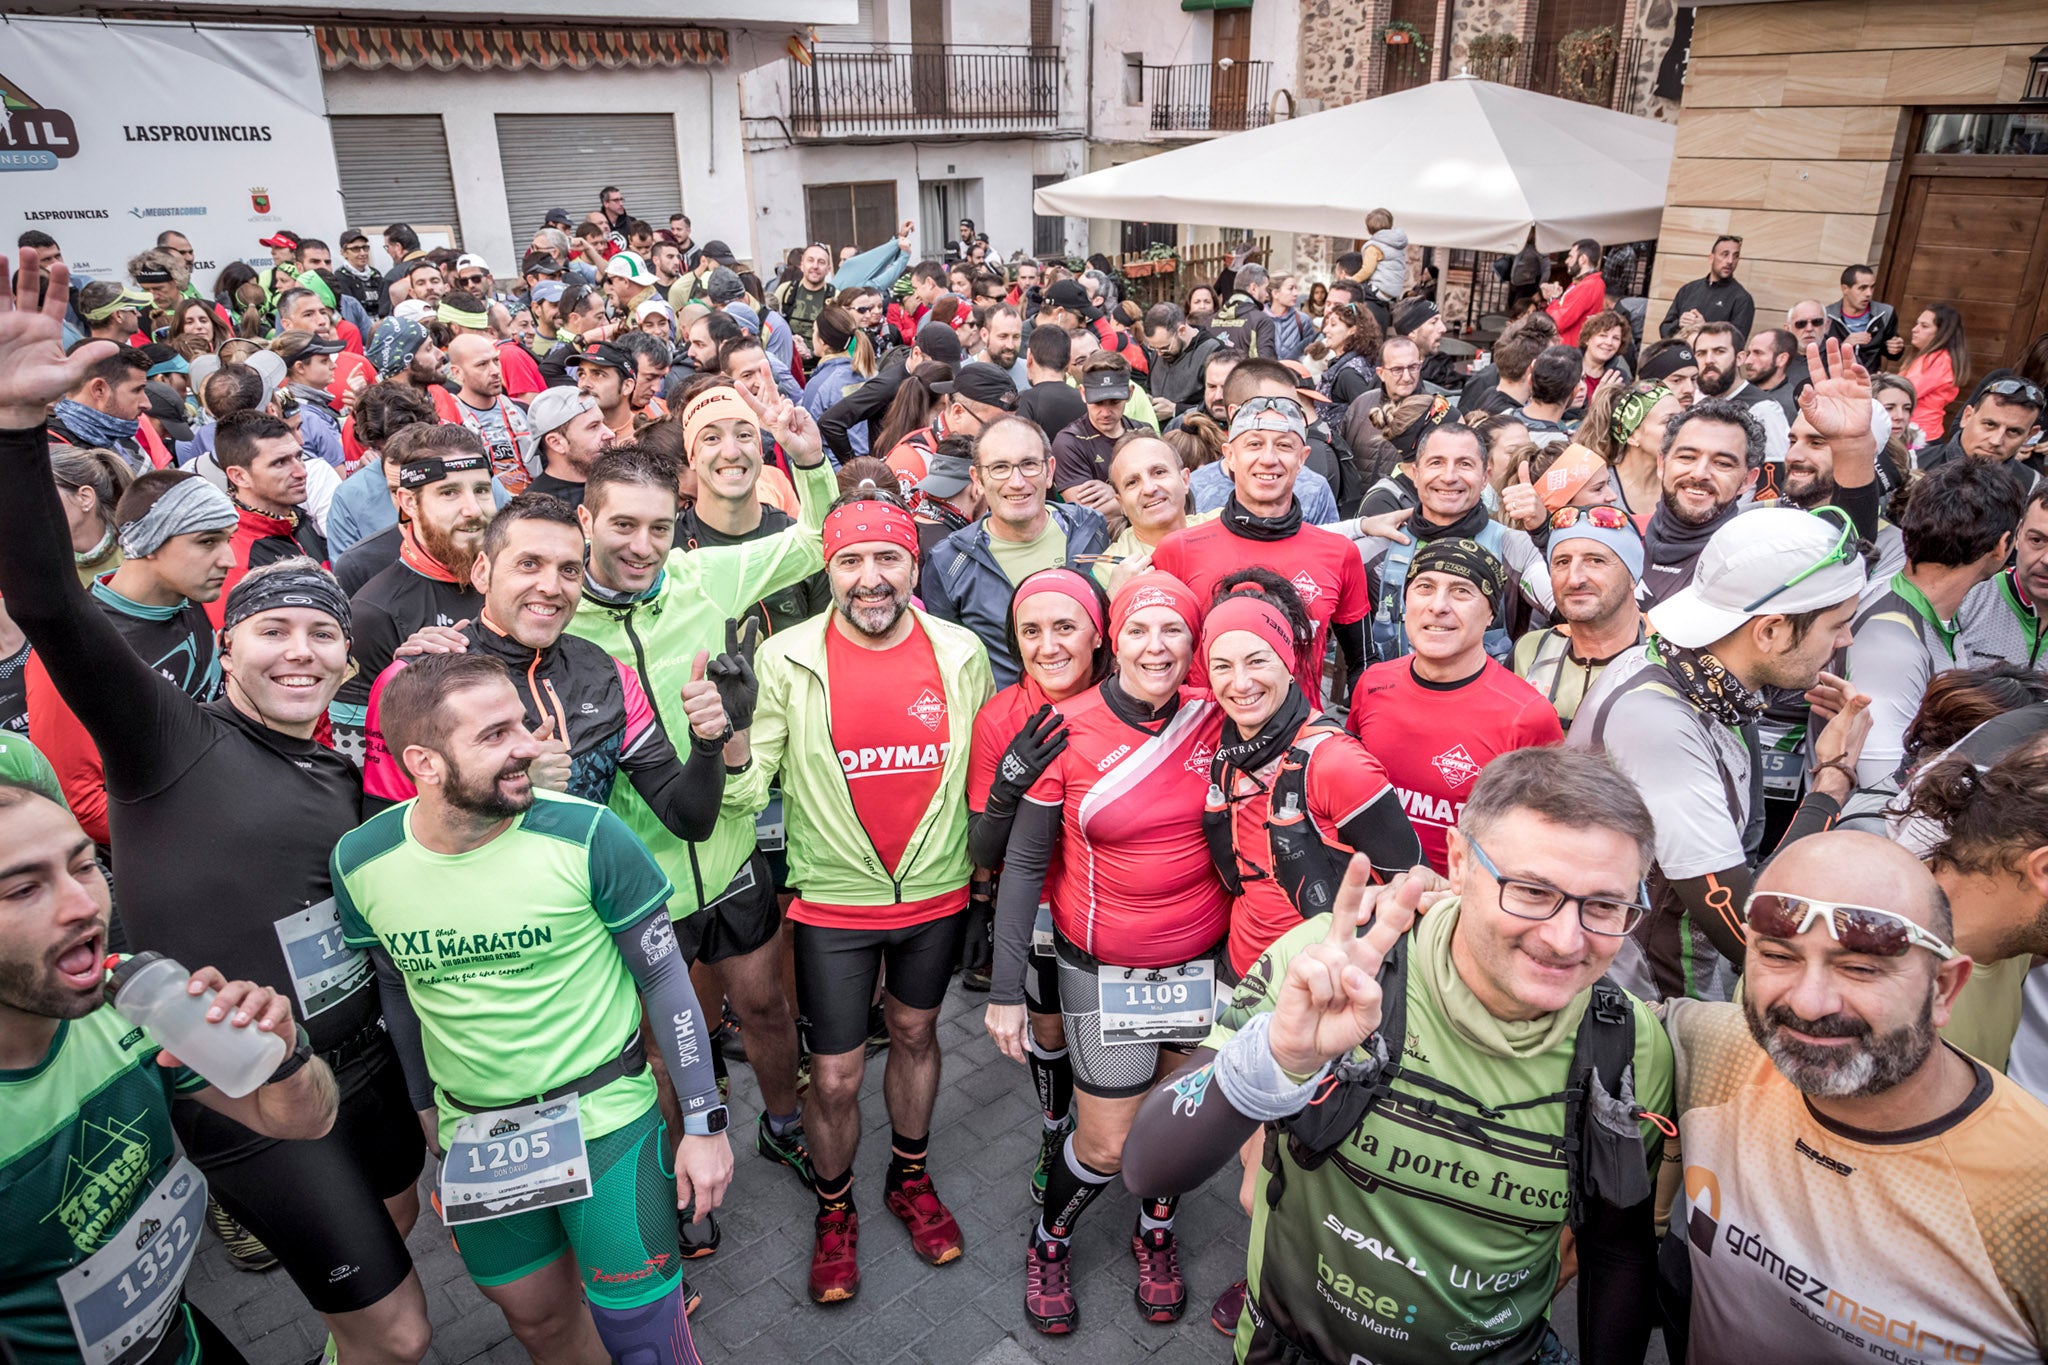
(2027, 393)
(1843, 550)
(1606, 518)
(471, 280)
(1803, 323)
(1858, 928)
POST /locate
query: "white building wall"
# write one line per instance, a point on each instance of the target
(705, 101)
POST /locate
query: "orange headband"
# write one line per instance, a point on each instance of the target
(1562, 481)
(714, 405)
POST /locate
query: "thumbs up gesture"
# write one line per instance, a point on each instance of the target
(554, 765)
(701, 703)
(1519, 505)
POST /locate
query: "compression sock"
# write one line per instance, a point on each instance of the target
(1070, 1186)
(834, 1192)
(1052, 1075)
(655, 1333)
(906, 1158)
(1157, 1213)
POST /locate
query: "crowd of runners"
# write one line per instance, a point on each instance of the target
(1573, 819)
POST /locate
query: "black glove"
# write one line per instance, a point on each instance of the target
(733, 672)
(1025, 761)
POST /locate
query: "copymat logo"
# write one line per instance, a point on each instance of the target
(33, 138)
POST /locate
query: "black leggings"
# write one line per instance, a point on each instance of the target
(319, 1205)
(835, 974)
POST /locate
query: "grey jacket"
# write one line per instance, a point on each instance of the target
(963, 583)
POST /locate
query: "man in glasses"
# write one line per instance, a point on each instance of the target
(1837, 1156)
(1772, 600)
(1860, 322)
(1996, 425)
(1386, 1237)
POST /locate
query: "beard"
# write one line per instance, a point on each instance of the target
(1875, 1064)
(485, 798)
(874, 617)
(441, 543)
(1808, 491)
(1713, 383)
(1685, 518)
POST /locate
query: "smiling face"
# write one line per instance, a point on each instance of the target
(871, 584)
(1263, 466)
(1153, 653)
(1057, 641)
(1589, 581)
(449, 516)
(285, 664)
(1809, 466)
(1795, 664)
(632, 528)
(1524, 968)
(1446, 618)
(54, 906)
(1602, 347)
(1249, 678)
(482, 767)
(726, 459)
(531, 587)
(1151, 488)
(1705, 470)
(1450, 473)
(1013, 477)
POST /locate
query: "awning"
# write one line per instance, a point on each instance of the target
(1195, 5)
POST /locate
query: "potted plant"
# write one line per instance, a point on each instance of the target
(1401, 33)
(1491, 56)
(1585, 64)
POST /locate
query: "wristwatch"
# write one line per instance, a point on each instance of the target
(708, 1122)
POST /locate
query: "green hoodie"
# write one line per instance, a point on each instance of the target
(830, 854)
(659, 634)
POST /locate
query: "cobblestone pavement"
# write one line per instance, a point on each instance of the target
(984, 1136)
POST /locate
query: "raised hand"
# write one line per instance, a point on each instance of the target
(552, 769)
(34, 371)
(1330, 998)
(1837, 402)
(733, 672)
(1519, 504)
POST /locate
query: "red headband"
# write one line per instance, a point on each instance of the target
(1062, 583)
(1242, 611)
(1154, 588)
(859, 522)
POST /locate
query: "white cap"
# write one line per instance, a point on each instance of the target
(650, 307)
(463, 263)
(1756, 556)
(554, 407)
(271, 366)
(414, 310)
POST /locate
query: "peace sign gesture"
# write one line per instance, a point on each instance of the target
(1330, 998)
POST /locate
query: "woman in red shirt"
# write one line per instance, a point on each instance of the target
(1139, 919)
(1058, 619)
(1936, 361)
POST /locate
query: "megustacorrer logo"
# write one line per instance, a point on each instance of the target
(1703, 1202)
(102, 1180)
(33, 138)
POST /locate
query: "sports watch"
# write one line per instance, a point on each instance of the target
(707, 1122)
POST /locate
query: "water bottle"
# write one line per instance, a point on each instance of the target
(149, 992)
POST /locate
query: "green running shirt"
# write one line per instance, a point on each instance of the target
(87, 1135)
(507, 950)
(1418, 1243)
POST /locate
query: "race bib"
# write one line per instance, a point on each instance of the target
(506, 1161)
(1041, 931)
(768, 834)
(1157, 1004)
(121, 1298)
(325, 971)
(1783, 771)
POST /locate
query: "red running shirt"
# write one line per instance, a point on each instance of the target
(1433, 738)
(891, 728)
(1135, 887)
(1323, 567)
(1342, 780)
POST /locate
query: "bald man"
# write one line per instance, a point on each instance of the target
(480, 404)
(1848, 1177)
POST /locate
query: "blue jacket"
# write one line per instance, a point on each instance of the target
(963, 583)
(876, 269)
(829, 381)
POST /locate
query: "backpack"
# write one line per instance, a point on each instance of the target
(1390, 637)
(1601, 1145)
(1307, 869)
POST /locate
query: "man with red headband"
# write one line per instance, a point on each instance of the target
(865, 716)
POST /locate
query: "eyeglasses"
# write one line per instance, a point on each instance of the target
(1000, 473)
(1400, 369)
(1604, 517)
(2028, 393)
(1602, 915)
(1843, 550)
(1858, 928)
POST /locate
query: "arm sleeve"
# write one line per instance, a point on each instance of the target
(135, 716)
(1185, 1132)
(1817, 813)
(683, 794)
(1617, 1289)
(1351, 644)
(1861, 503)
(403, 1024)
(663, 977)
(1711, 901)
(1033, 836)
(1381, 831)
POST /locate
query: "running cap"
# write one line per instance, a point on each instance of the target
(606, 356)
(936, 341)
(1668, 362)
(1243, 611)
(128, 297)
(189, 505)
(945, 474)
(1770, 561)
(413, 310)
(981, 382)
(1107, 385)
(629, 265)
(1069, 294)
(281, 238)
(552, 408)
(723, 286)
(463, 263)
(650, 308)
(546, 291)
(167, 410)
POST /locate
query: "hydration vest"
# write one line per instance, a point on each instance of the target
(1307, 869)
(1390, 636)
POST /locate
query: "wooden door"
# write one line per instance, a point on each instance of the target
(1979, 243)
(1406, 66)
(1230, 86)
(928, 64)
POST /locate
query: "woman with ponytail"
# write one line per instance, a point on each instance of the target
(845, 358)
(90, 481)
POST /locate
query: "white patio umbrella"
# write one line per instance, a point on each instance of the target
(1459, 163)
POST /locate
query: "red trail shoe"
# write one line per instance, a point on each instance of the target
(1049, 1288)
(934, 1236)
(835, 1264)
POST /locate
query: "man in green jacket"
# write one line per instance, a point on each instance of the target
(866, 713)
(660, 609)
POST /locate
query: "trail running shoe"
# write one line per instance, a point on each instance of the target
(691, 1299)
(697, 1240)
(1049, 1288)
(934, 1236)
(1223, 1314)
(788, 1149)
(1050, 1140)
(835, 1264)
(730, 1038)
(1162, 1294)
(245, 1251)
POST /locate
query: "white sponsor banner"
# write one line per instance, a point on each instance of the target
(116, 132)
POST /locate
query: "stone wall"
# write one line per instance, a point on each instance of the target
(1478, 18)
(1655, 21)
(1337, 60)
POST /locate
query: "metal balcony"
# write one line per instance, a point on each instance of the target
(889, 90)
(1208, 97)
